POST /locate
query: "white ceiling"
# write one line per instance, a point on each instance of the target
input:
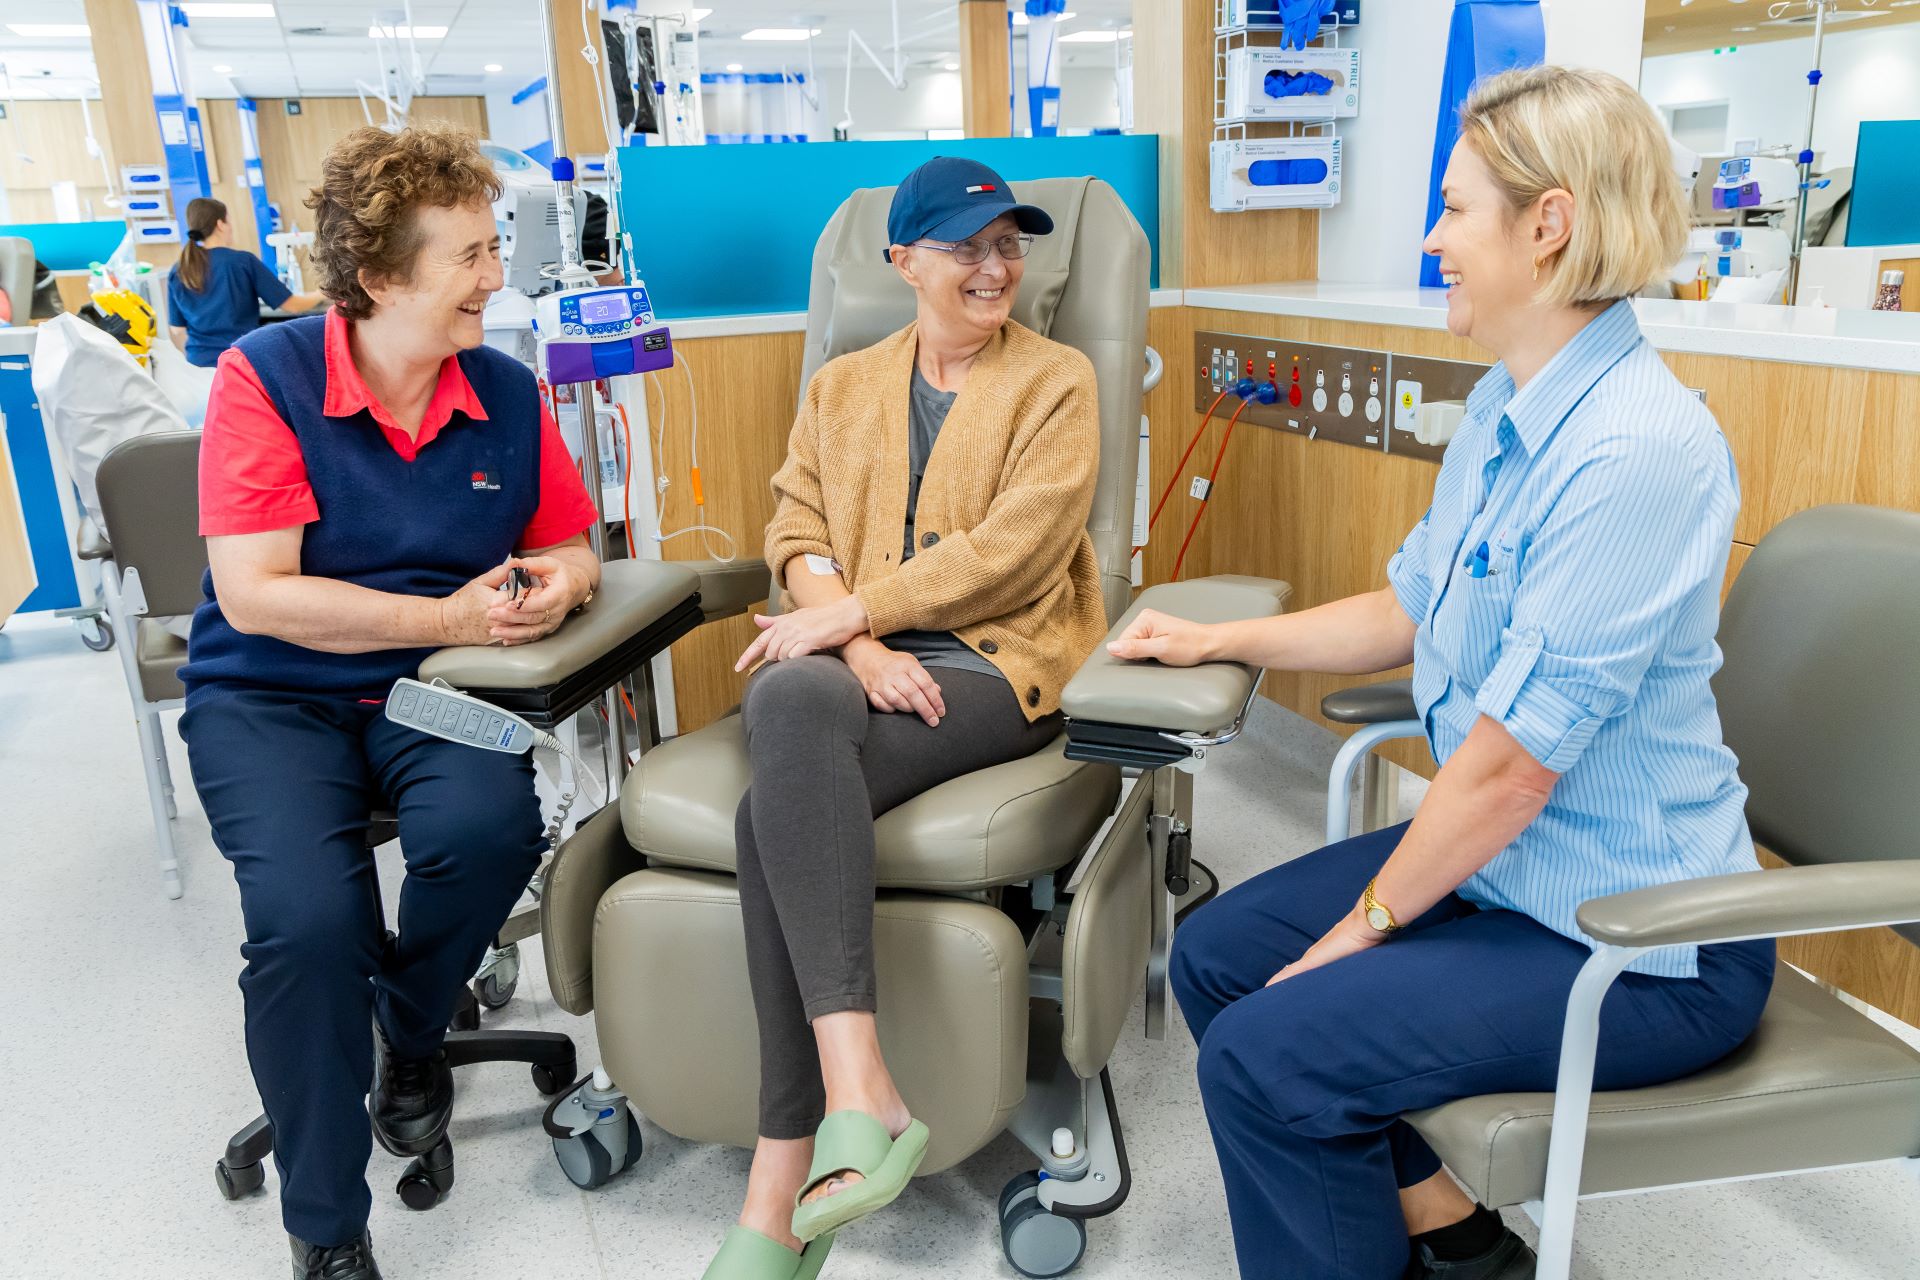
(319, 48)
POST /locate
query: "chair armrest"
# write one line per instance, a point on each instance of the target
(1759, 904)
(730, 588)
(641, 607)
(1117, 708)
(581, 871)
(90, 541)
(1371, 703)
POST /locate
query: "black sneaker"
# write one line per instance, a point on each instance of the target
(1508, 1260)
(412, 1099)
(350, 1261)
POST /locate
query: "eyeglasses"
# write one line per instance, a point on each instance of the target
(971, 253)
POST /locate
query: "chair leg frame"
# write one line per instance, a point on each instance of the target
(1353, 752)
(153, 742)
(1572, 1103)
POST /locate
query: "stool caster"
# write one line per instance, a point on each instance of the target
(550, 1080)
(499, 976)
(1039, 1243)
(94, 633)
(238, 1181)
(466, 1013)
(428, 1178)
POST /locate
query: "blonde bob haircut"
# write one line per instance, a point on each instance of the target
(1589, 134)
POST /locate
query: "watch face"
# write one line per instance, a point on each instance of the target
(1379, 919)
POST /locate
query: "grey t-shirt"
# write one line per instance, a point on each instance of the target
(927, 412)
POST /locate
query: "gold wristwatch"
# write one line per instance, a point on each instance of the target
(1379, 915)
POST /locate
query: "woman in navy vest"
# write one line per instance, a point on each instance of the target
(367, 478)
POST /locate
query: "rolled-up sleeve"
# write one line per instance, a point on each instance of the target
(1640, 531)
(1407, 572)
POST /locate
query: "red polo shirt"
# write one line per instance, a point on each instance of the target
(253, 478)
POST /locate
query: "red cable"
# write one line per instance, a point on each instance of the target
(626, 483)
(1174, 477)
(1217, 458)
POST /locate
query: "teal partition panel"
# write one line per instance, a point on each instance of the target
(730, 230)
(1886, 184)
(70, 246)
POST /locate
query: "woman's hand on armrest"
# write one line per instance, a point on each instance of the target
(819, 629)
(1173, 641)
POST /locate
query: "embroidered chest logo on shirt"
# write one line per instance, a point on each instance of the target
(485, 480)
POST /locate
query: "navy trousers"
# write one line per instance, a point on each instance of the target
(288, 782)
(1304, 1081)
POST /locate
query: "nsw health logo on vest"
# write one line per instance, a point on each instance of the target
(485, 480)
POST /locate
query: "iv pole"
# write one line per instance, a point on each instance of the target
(1820, 8)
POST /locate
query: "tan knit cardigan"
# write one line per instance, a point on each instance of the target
(1003, 558)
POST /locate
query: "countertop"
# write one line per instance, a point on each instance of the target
(1797, 335)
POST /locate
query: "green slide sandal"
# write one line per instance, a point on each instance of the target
(747, 1255)
(854, 1140)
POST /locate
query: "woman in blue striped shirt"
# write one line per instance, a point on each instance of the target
(1558, 602)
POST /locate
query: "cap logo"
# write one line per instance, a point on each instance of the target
(974, 191)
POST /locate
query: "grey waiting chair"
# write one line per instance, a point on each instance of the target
(1820, 699)
(1008, 962)
(150, 567)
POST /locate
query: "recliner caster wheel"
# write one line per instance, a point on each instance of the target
(95, 633)
(238, 1181)
(550, 1080)
(499, 978)
(589, 1165)
(427, 1179)
(1038, 1243)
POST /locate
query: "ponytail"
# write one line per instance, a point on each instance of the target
(203, 216)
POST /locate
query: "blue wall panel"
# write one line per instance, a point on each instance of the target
(1886, 184)
(730, 230)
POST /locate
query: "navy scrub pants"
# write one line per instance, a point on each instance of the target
(1304, 1081)
(288, 782)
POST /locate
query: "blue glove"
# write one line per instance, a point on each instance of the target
(1296, 84)
(1301, 172)
(1300, 21)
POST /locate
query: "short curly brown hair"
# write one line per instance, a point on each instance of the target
(371, 185)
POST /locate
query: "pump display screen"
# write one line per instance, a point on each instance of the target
(607, 308)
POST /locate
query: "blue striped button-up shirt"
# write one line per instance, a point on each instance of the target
(1566, 584)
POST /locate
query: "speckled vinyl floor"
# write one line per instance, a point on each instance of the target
(121, 1051)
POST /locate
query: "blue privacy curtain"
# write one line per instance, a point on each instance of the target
(1488, 37)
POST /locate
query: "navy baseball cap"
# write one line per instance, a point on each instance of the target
(949, 199)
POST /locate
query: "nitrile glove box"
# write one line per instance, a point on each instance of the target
(1275, 173)
(1265, 83)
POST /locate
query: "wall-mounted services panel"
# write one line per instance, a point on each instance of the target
(1429, 402)
(1323, 393)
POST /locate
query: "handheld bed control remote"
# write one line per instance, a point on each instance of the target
(445, 712)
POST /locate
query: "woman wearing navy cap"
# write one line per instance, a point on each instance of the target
(931, 530)
(367, 479)
(215, 294)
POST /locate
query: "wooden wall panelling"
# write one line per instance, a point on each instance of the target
(986, 105)
(1174, 98)
(1877, 966)
(126, 108)
(580, 113)
(53, 135)
(1888, 471)
(748, 387)
(227, 170)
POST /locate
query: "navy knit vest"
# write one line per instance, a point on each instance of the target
(420, 528)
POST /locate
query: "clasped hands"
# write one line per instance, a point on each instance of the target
(483, 612)
(893, 681)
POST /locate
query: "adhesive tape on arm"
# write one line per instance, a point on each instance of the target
(821, 566)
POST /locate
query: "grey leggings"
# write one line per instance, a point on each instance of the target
(825, 765)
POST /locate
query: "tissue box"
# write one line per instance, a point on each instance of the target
(1275, 173)
(1291, 84)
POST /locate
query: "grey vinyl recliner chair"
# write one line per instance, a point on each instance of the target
(1009, 951)
(1819, 698)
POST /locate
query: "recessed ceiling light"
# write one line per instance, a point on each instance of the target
(223, 69)
(492, 67)
(194, 9)
(781, 33)
(402, 33)
(951, 66)
(50, 30)
(735, 66)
